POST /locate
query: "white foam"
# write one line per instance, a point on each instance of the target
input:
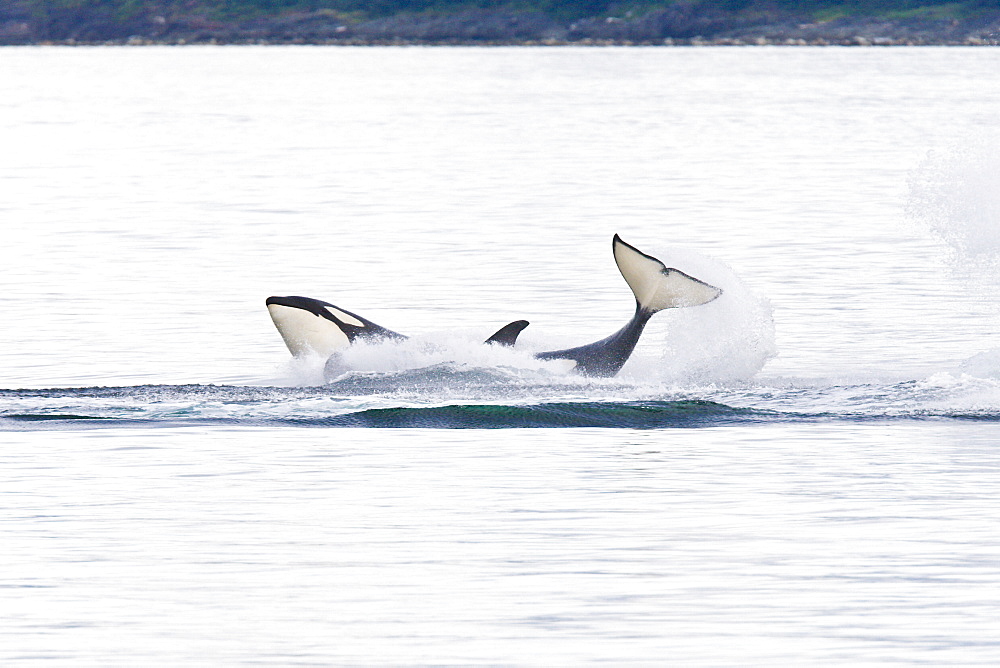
(435, 348)
(729, 339)
(946, 392)
(302, 371)
(982, 365)
(956, 194)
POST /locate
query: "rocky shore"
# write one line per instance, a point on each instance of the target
(679, 25)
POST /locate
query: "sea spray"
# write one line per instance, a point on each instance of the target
(303, 371)
(448, 361)
(955, 195)
(727, 340)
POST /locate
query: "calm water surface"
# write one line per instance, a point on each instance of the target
(802, 472)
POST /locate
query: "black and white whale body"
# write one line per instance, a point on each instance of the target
(311, 326)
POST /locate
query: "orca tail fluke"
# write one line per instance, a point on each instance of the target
(656, 286)
(507, 335)
(310, 326)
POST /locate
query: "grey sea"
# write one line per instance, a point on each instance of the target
(804, 471)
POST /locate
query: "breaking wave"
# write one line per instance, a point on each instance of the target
(448, 396)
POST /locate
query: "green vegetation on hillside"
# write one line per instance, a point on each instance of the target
(501, 21)
(562, 9)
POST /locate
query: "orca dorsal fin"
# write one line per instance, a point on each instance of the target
(507, 335)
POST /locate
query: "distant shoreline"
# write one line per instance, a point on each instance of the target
(669, 43)
(687, 25)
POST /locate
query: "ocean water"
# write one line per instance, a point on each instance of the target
(803, 471)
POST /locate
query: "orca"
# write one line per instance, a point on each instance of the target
(313, 327)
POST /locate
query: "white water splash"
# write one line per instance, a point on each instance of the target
(727, 340)
(436, 348)
(956, 194)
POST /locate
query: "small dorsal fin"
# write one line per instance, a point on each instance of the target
(507, 335)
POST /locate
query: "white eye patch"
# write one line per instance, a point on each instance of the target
(343, 317)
